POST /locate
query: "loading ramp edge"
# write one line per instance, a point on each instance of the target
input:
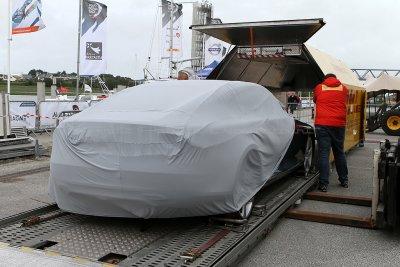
(251, 239)
(226, 252)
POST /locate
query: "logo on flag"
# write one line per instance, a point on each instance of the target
(94, 14)
(27, 16)
(94, 51)
(215, 49)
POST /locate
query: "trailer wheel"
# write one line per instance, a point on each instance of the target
(391, 123)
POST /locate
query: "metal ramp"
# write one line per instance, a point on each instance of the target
(339, 218)
(131, 242)
(356, 206)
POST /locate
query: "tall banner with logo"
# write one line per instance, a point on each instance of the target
(177, 17)
(93, 56)
(27, 16)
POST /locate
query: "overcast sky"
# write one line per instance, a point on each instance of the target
(361, 33)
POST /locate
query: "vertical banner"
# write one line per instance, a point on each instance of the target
(177, 18)
(215, 50)
(27, 16)
(93, 45)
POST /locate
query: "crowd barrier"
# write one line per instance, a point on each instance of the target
(45, 115)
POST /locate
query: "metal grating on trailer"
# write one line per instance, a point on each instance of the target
(167, 252)
(98, 237)
(15, 235)
(133, 242)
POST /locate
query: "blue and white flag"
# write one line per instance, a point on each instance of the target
(27, 16)
(93, 43)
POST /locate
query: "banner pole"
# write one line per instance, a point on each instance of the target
(79, 50)
(171, 37)
(9, 38)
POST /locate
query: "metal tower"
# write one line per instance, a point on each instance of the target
(202, 14)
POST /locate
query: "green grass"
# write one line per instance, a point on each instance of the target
(22, 89)
(32, 89)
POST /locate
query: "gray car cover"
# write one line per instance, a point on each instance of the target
(169, 149)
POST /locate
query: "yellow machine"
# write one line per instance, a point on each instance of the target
(356, 123)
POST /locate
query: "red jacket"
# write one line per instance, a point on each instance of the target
(330, 98)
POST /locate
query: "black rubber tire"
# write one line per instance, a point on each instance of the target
(385, 126)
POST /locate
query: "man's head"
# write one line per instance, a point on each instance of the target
(187, 74)
(183, 76)
(329, 75)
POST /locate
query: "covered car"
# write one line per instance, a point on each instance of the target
(172, 149)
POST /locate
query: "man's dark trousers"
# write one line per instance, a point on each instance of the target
(331, 137)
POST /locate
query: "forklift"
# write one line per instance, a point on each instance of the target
(383, 111)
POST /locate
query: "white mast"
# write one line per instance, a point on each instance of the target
(9, 38)
(171, 37)
(79, 50)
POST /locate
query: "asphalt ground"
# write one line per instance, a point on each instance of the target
(291, 242)
(301, 243)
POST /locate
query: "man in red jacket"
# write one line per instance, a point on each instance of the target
(330, 98)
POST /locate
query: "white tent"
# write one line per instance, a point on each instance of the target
(386, 82)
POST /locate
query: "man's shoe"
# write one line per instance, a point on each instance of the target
(344, 184)
(323, 188)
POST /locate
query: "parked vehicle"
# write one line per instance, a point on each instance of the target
(176, 149)
(383, 111)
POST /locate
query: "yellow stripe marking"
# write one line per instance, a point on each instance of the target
(26, 249)
(4, 245)
(52, 254)
(81, 260)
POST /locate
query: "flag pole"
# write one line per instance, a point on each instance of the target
(9, 39)
(171, 40)
(79, 51)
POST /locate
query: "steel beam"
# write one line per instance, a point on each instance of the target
(351, 200)
(329, 218)
(376, 73)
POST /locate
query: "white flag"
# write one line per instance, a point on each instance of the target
(27, 16)
(177, 17)
(215, 50)
(93, 44)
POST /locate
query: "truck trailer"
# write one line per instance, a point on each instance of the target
(270, 53)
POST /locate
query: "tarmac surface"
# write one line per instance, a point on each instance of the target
(291, 242)
(301, 243)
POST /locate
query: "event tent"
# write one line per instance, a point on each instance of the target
(384, 82)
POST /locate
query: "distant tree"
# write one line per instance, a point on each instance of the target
(32, 73)
(48, 82)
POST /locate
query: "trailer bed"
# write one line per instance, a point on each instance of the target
(162, 242)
